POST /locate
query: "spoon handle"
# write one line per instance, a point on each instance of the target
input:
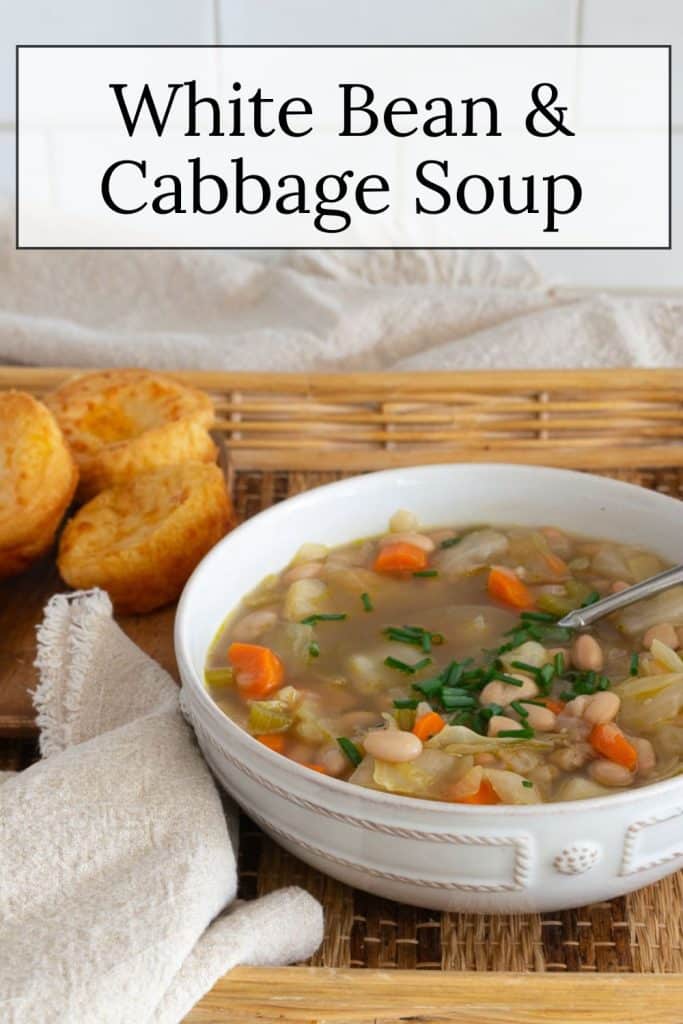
(581, 618)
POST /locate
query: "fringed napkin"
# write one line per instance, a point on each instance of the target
(117, 858)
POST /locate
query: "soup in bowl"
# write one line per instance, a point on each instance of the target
(429, 663)
(391, 697)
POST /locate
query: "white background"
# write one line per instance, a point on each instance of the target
(375, 21)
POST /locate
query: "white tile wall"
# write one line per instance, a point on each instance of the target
(638, 21)
(96, 21)
(375, 21)
(397, 21)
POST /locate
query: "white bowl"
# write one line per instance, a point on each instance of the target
(438, 855)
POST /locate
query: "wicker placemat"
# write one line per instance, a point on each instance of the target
(639, 933)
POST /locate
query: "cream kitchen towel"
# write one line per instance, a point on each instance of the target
(117, 860)
(317, 310)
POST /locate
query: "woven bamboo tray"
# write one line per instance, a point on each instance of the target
(279, 431)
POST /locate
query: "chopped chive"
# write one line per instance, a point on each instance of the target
(419, 665)
(538, 616)
(510, 680)
(351, 750)
(314, 649)
(528, 700)
(408, 702)
(634, 665)
(450, 542)
(311, 620)
(521, 711)
(603, 683)
(490, 710)
(526, 667)
(429, 687)
(527, 784)
(546, 675)
(458, 701)
(527, 733)
(427, 643)
(367, 602)
(591, 599)
(425, 573)
(558, 663)
(401, 666)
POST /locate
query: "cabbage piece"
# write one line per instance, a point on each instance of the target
(666, 656)
(308, 724)
(665, 607)
(650, 701)
(530, 652)
(477, 548)
(310, 553)
(509, 786)
(268, 716)
(580, 788)
(303, 598)
(643, 565)
(292, 641)
(357, 580)
(424, 776)
(264, 593)
(611, 561)
(458, 739)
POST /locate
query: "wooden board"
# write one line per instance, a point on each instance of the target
(318, 996)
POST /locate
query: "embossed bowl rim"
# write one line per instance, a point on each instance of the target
(209, 574)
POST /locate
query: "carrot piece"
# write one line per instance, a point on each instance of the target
(556, 564)
(274, 741)
(315, 767)
(609, 740)
(486, 794)
(258, 670)
(556, 706)
(428, 725)
(400, 557)
(504, 585)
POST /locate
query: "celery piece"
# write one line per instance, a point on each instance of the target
(266, 716)
(219, 677)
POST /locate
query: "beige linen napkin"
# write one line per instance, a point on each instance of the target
(319, 310)
(117, 858)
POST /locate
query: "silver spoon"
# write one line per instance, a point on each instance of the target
(581, 618)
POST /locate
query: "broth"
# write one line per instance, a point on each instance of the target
(428, 662)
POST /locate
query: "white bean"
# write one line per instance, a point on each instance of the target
(352, 721)
(418, 540)
(501, 723)
(575, 708)
(602, 707)
(607, 773)
(393, 745)
(403, 521)
(540, 719)
(305, 571)
(646, 755)
(570, 758)
(497, 692)
(664, 632)
(254, 625)
(587, 654)
(334, 761)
